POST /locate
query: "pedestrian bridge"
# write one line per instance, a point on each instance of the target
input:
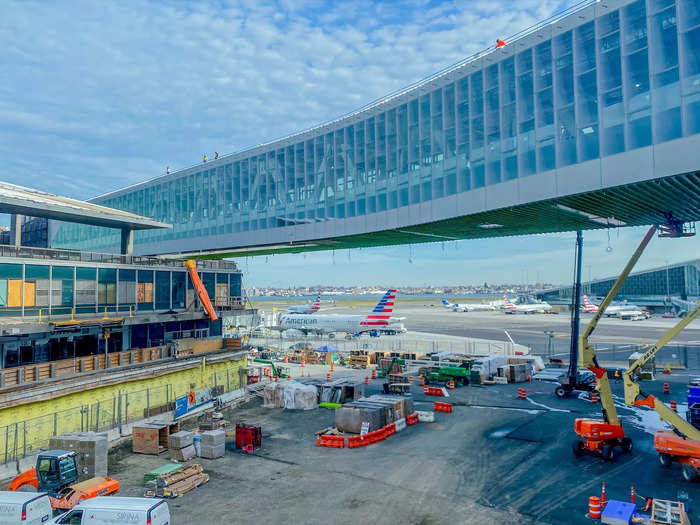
(590, 119)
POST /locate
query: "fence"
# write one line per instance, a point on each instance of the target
(23, 437)
(683, 355)
(397, 343)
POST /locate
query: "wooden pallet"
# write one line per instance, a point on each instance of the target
(665, 512)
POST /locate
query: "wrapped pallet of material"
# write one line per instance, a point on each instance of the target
(305, 397)
(180, 439)
(269, 395)
(349, 417)
(402, 405)
(213, 444)
(279, 393)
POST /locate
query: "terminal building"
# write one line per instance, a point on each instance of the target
(675, 287)
(57, 304)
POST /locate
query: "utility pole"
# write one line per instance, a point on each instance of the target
(576, 312)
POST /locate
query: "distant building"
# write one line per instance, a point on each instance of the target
(35, 233)
(671, 285)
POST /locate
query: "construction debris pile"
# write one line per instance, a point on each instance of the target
(176, 482)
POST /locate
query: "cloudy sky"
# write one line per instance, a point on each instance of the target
(99, 95)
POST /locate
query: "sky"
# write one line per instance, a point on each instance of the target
(99, 95)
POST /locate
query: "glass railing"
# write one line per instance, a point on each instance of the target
(81, 256)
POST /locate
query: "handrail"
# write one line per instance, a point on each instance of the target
(56, 254)
(510, 40)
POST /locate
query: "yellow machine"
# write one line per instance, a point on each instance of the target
(602, 436)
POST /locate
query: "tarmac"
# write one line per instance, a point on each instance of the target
(495, 459)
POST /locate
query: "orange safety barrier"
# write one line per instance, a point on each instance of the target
(374, 373)
(667, 389)
(390, 429)
(674, 406)
(451, 384)
(433, 391)
(358, 441)
(522, 393)
(328, 377)
(332, 441)
(594, 507)
(442, 407)
(412, 419)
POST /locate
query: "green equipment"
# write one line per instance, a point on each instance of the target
(459, 374)
(277, 371)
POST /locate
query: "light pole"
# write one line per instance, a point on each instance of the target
(550, 337)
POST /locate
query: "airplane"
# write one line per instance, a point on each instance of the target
(529, 308)
(378, 319)
(621, 310)
(309, 308)
(467, 307)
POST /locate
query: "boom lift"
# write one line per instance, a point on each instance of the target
(201, 290)
(56, 473)
(681, 444)
(602, 436)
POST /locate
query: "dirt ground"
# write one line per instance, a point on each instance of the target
(495, 459)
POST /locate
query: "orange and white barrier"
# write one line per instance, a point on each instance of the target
(442, 407)
(674, 406)
(332, 441)
(374, 373)
(433, 391)
(667, 388)
(328, 377)
(594, 507)
(522, 393)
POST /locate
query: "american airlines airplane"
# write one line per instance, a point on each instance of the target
(379, 318)
(622, 310)
(309, 308)
(587, 306)
(467, 307)
(529, 308)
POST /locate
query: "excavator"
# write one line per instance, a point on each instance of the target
(191, 265)
(56, 473)
(682, 443)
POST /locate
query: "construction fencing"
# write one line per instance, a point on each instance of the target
(674, 355)
(397, 343)
(23, 437)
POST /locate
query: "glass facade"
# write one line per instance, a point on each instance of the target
(27, 288)
(626, 80)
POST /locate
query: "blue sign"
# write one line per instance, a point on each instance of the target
(181, 406)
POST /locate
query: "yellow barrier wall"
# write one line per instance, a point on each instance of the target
(27, 427)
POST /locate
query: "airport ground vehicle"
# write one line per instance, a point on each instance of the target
(682, 443)
(56, 473)
(277, 371)
(111, 510)
(24, 507)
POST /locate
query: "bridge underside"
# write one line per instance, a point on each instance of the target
(639, 204)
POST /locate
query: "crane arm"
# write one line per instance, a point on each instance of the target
(633, 392)
(201, 290)
(587, 356)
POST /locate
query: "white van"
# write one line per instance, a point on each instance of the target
(115, 510)
(24, 507)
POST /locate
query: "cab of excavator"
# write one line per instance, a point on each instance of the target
(56, 469)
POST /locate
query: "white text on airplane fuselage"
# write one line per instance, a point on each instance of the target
(294, 320)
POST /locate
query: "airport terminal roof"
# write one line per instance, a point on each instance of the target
(34, 203)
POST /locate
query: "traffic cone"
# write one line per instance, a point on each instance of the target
(332, 366)
(602, 496)
(328, 377)
(674, 407)
(631, 494)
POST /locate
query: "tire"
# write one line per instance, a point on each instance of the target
(560, 392)
(689, 473)
(626, 445)
(577, 446)
(608, 452)
(665, 459)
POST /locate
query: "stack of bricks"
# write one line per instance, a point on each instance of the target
(213, 444)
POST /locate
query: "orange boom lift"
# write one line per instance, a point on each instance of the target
(201, 290)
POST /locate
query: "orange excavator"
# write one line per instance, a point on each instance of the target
(56, 473)
(201, 290)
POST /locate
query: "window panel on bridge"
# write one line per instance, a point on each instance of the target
(689, 23)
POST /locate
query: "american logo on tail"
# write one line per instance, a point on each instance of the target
(384, 306)
(507, 304)
(587, 306)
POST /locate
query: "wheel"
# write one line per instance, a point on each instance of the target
(607, 452)
(560, 392)
(689, 473)
(665, 460)
(578, 447)
(626, 445)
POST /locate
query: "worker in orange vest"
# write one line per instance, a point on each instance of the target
(500, 43)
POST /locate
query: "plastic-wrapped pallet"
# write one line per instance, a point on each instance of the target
(279, 393)
(213, 437)
(212, 451)
(180, 439)
(305, 397)
(91, 448)
(182, 454)
(269, 395)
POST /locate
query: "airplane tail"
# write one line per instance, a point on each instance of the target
(317, 303)
(382, 312)
(587, 305)
(444, 302)
(508, 304)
